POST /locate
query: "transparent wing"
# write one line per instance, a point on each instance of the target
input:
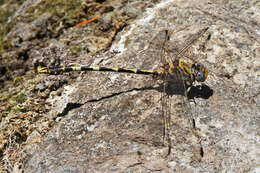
(166, 116)
(189, 95)
(181, 88)
(156, 47)
(165, 98)
(164, 40)
(181, 52)
(159, 42)
(175, 84)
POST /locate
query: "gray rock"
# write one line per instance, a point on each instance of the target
(111, 125)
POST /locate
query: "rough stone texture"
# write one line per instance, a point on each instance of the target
(109, 122)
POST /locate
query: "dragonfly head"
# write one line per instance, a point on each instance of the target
(200, 72)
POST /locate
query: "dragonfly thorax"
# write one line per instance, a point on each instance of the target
(188, 73)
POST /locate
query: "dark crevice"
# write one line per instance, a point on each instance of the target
(134, 165)
(119, 93)
(201, 151)
(201, 91)
(69, 107)
(193, 123)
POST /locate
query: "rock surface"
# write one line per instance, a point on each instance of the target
(111, 122)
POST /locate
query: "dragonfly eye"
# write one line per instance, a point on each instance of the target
(200, 73)
(200, 76)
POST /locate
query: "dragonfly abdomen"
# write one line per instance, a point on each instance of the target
(58, 70)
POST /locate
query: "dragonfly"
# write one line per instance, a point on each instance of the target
(176, 70)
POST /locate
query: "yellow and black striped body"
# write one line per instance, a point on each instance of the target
(189, 72)
(59, 70)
